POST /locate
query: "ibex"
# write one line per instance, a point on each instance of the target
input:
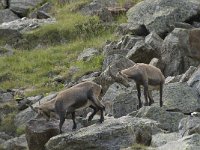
(150, 77)
(82, 95)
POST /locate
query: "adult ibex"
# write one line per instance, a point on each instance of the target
(82, 95)
(150, 77)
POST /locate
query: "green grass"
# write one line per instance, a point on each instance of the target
(69, 26)
(37, 68)
(20, 130)
(7, 124)
(138, 147)
(86, 67)
(61, 43)
(9, 107)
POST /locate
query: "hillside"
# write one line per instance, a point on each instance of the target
(47, 46)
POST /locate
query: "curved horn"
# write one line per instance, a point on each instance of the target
(35, 110)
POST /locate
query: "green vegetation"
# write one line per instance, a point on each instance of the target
(7, 124)
(60, 44)
(36, 69)
(63, 41)
(9, 110)
(20, 130)
(138, 147)
(70, 26)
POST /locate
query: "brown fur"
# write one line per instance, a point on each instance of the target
(82, 95)
(150, 77)
(46, 109)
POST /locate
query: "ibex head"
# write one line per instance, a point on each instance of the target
(120, 78)
(44, 110)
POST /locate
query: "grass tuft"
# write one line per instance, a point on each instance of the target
(20, 130)
(7, 124)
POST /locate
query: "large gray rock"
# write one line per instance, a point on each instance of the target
(18, 143)
(25, 24)
(23, 104)
(158, 15)
(42, 12)
(179, 97)
(112, 48)
(155, 42)
(22, 7)
(186, 76)
(168, 120)
(6, 97)
(10, 36)
(4, 137)
(160, 139)
(122, 46)
(189, 125)
(142, 53)
(7, 15)
(176, 52)
(34, 99)
(111, 134)
(191, 142)
(24, 116)
(87, 54)
(114, 59)
(128, 42)
(120, 101)
(173, 79)
(38, 132)
(194, 81)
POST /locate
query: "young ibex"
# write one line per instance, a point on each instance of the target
(82, 95)
(150, 77)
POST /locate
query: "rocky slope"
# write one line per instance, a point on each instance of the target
(159, 32)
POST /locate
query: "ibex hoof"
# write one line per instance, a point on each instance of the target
(146, 104)
(150, 103)
(89, 119)
(74, 128)
(101, 120)
(139, 106)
